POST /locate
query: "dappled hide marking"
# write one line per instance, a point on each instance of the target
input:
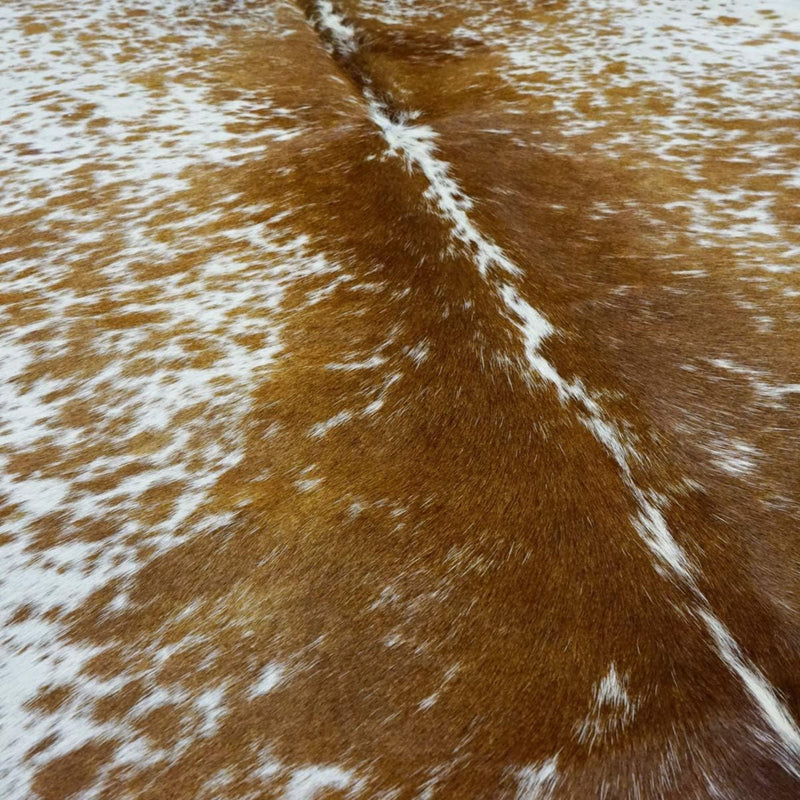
(400, 400)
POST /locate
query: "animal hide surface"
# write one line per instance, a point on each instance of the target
(400, 400)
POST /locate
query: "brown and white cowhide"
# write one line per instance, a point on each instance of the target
(400, 400)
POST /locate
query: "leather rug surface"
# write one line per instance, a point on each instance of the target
(400, 400)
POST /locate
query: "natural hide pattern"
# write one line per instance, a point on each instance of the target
(400, 400)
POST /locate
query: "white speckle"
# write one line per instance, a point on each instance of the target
(269, 677)
(321, 428)
(343, 34)
(309, 782)
(418, 353)
(211, 705)
(762, 384)
(612, 708)
(537, 782)
(307, 484)
(355, 509)
(652, 527)
(349, 366)
(428, 702)
(734, 456)
(690, 273)
(535, 329)
(611, 690)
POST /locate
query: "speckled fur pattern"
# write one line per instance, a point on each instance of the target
(400, 400)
